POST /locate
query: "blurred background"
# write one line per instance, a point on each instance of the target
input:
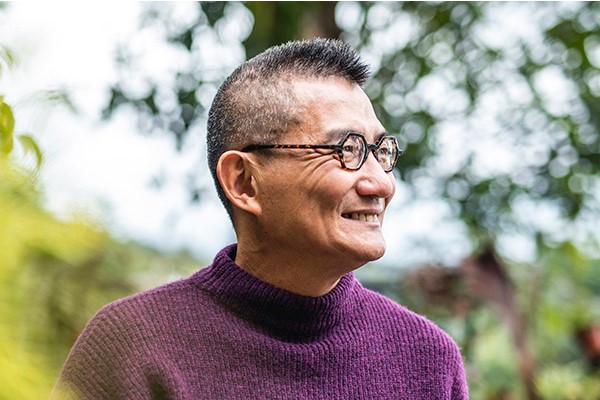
(494, 230)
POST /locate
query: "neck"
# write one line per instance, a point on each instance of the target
(286, 315)
(294, 273)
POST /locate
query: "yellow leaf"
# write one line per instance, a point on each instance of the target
(30, 146)
(7, 126)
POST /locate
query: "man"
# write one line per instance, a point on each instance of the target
(304, 168)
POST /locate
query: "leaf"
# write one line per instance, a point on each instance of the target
(58, 97)
(7, 58)
(7, 127)
(52, 98)
(30, 146)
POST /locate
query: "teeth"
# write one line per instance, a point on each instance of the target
(362, 217)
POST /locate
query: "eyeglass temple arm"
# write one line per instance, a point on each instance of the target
(291, 146)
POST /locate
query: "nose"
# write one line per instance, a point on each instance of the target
(374, 181)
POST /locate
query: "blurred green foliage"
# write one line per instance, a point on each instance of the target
(27, 230)
(55, 273)
(437, 68)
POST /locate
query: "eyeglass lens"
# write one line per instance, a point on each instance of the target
(354, 152)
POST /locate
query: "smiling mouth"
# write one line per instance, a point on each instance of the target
(362, 217)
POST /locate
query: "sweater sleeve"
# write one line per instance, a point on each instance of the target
(111, 360)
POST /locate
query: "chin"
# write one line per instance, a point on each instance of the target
(370, 253)
(377, 255)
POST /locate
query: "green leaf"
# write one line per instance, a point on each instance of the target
(30, 146)
(7, 58)
(7, 126)
(57, 97)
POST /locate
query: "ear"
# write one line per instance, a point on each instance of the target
(236, 172)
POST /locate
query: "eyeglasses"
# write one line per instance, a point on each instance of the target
(352, 150)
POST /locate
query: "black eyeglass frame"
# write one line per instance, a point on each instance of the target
(339, 148)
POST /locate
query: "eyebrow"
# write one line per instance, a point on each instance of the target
(380, 135)
(335, 135)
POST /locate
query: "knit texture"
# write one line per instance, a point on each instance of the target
(224, 334)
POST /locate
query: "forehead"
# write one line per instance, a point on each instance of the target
(333, 106)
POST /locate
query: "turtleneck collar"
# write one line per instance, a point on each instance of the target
(291, 316)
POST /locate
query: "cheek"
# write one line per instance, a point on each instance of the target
(322, 184)
(319, 186)
(283, 201)
(332, 191)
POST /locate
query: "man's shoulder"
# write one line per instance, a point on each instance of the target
(135, 322)
(133, 332)
(403, 324)
(175, 290)
(151, 305)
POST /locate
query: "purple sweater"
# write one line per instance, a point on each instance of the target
(224, 334)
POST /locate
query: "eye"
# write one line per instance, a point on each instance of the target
(349, 148)
(384, 151)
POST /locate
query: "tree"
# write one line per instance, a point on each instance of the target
(26, 229)
(441, 47)
(55, 273)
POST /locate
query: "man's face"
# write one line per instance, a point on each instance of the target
(310, 205)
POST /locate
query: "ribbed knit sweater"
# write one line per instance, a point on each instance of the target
(224, 334)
